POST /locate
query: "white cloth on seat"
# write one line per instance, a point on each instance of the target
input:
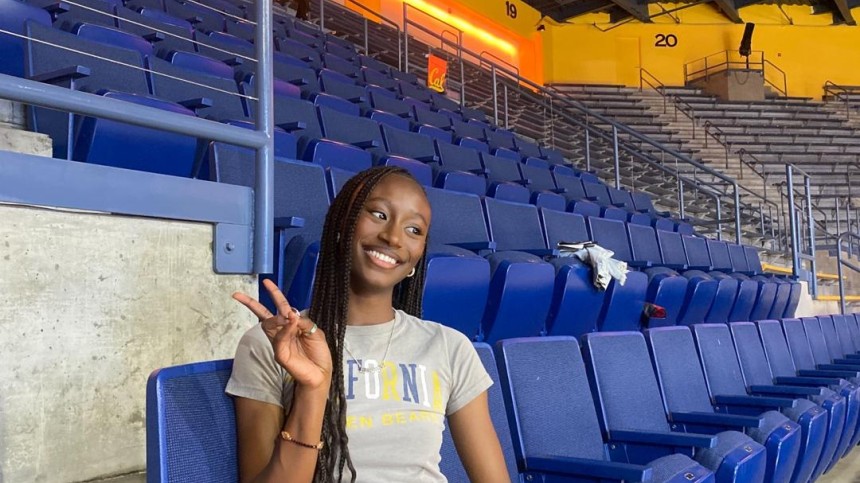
(604, 267)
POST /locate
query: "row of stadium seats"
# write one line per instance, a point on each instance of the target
(772, 401)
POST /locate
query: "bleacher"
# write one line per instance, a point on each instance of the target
(701, 391)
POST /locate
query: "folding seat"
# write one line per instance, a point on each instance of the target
(464, 130)
(526, 148)
(112, 143)
(335, 103)
(700, 289)
(336, 84)
(576, 303)
(516, 264)
(793, 298)
(767, 291)
(505, 153)
(14, 19)
(503, 139)
(227, 48)
(335, 155)
(165, 32)
(409, 144)
(299, 210)
(674, 256)
(502, 170)
(744, 294)
(441, 101)
(345, 51)
(554, 423)
(391, 105)
(420, 171)
(642, 203)
(456, 290)
(625, 388)
(358, 131)
(242, 29)
(848, 345)
(305, 35)
(67, 15)
(809, 352)
(450, 464)
(203, 19)
(434, 132)
(479, 146)
(340, 65)
(371, 76)
(717, 385)
(300, 51)
(664, 290)
(183, 442)
(622, 199)
(818, 438)
(597, 193)
(459, 169)
(388, 119)
(88, 66)
(738, 257)
(411, 90)
(542, 185)
(552, 155)
(199, 83)
(841, 352)
(430, 118)
(471, 114)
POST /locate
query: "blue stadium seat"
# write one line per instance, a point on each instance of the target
(409, 144)
(742, 292)
(808, 355)
(373, 77)
(306, 54)
(818, 440)
(67, 15)
(90, 67)
(386, 103)
(15, 16)
(112, 143)
(339, 64)
(191, 424)
(778, 434)
(576, 303)
(431, 118)
(450, 465)
(517, 265)
(548, 399)
(360, 132)
(767, 291)
(526, 148)
(625, 388)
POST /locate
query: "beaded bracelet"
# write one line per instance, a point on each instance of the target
(286, 437)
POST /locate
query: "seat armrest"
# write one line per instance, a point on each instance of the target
(64, 74)
(370, 143)
(798, 391)
(582, 467)
(289, 222)
(154, 37)
(854, 358)
(715, 419)
(542, 252)
(822, 372)
(756, 401)
(853, 368)
(807, 381)
(197, 103)
(663, 439)
(56, 8)
(428, 159)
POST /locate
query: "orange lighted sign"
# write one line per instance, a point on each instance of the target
(437, 73)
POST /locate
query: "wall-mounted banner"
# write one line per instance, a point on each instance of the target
(437, 73)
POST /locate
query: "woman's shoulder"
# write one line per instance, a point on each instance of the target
(433, 329)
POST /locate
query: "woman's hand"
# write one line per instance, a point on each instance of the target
(299, 346)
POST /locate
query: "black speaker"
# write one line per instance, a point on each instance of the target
(746, 42)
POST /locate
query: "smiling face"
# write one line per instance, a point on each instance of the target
(390, 235)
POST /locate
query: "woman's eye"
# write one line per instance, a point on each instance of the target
(414, 230)
(378, 214)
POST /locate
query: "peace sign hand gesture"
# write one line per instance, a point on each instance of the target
(299, 346)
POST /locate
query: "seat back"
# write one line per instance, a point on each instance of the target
(738, 258)
(779, 357)
(191, 424)
(563, 227)
(539, 178)
(514, 226)
(501, 169)
(612, 235)
(751, 354)
(719, 252)
(798, 345)
(598, 192)
(451, 465)
(753, 260)
(643, 245)
(358, 131)
(841, 323)
(719, 360)
(676, 363)
(457, 218)
(828, 329)
(672, 249)
(188, 77)
(15, 17)
(697, 253)
(572, 186)
(623, 382)
(549, 401)
(409, 144)
(817, 343)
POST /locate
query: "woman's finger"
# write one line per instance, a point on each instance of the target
(255, 307)
(281, 302)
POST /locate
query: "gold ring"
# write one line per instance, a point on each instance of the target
(311, 330)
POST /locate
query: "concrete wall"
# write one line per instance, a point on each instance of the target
(92, 303)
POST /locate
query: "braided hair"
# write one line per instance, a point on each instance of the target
(331, 302)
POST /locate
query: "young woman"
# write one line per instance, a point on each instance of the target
(358, 388)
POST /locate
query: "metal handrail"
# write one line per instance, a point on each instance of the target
(784, 90)
(839, 262)
(383, 19)
(659, 88)
(841, 92)
(496, 57)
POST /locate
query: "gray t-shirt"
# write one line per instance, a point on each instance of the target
(395, 417)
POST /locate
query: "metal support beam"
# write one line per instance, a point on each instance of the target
(264, 185)
(634, 8)
(844, 11)
(729, 10)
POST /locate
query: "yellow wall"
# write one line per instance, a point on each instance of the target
(810, 52)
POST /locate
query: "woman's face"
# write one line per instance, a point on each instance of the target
(390, 234)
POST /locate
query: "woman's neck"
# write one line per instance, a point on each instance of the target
(367, 309)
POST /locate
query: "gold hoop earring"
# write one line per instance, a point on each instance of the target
(411, 273)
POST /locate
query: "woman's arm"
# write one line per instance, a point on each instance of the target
(477, 443)
(265, 453)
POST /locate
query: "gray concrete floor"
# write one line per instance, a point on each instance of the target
(846, 471)
(139, 477)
